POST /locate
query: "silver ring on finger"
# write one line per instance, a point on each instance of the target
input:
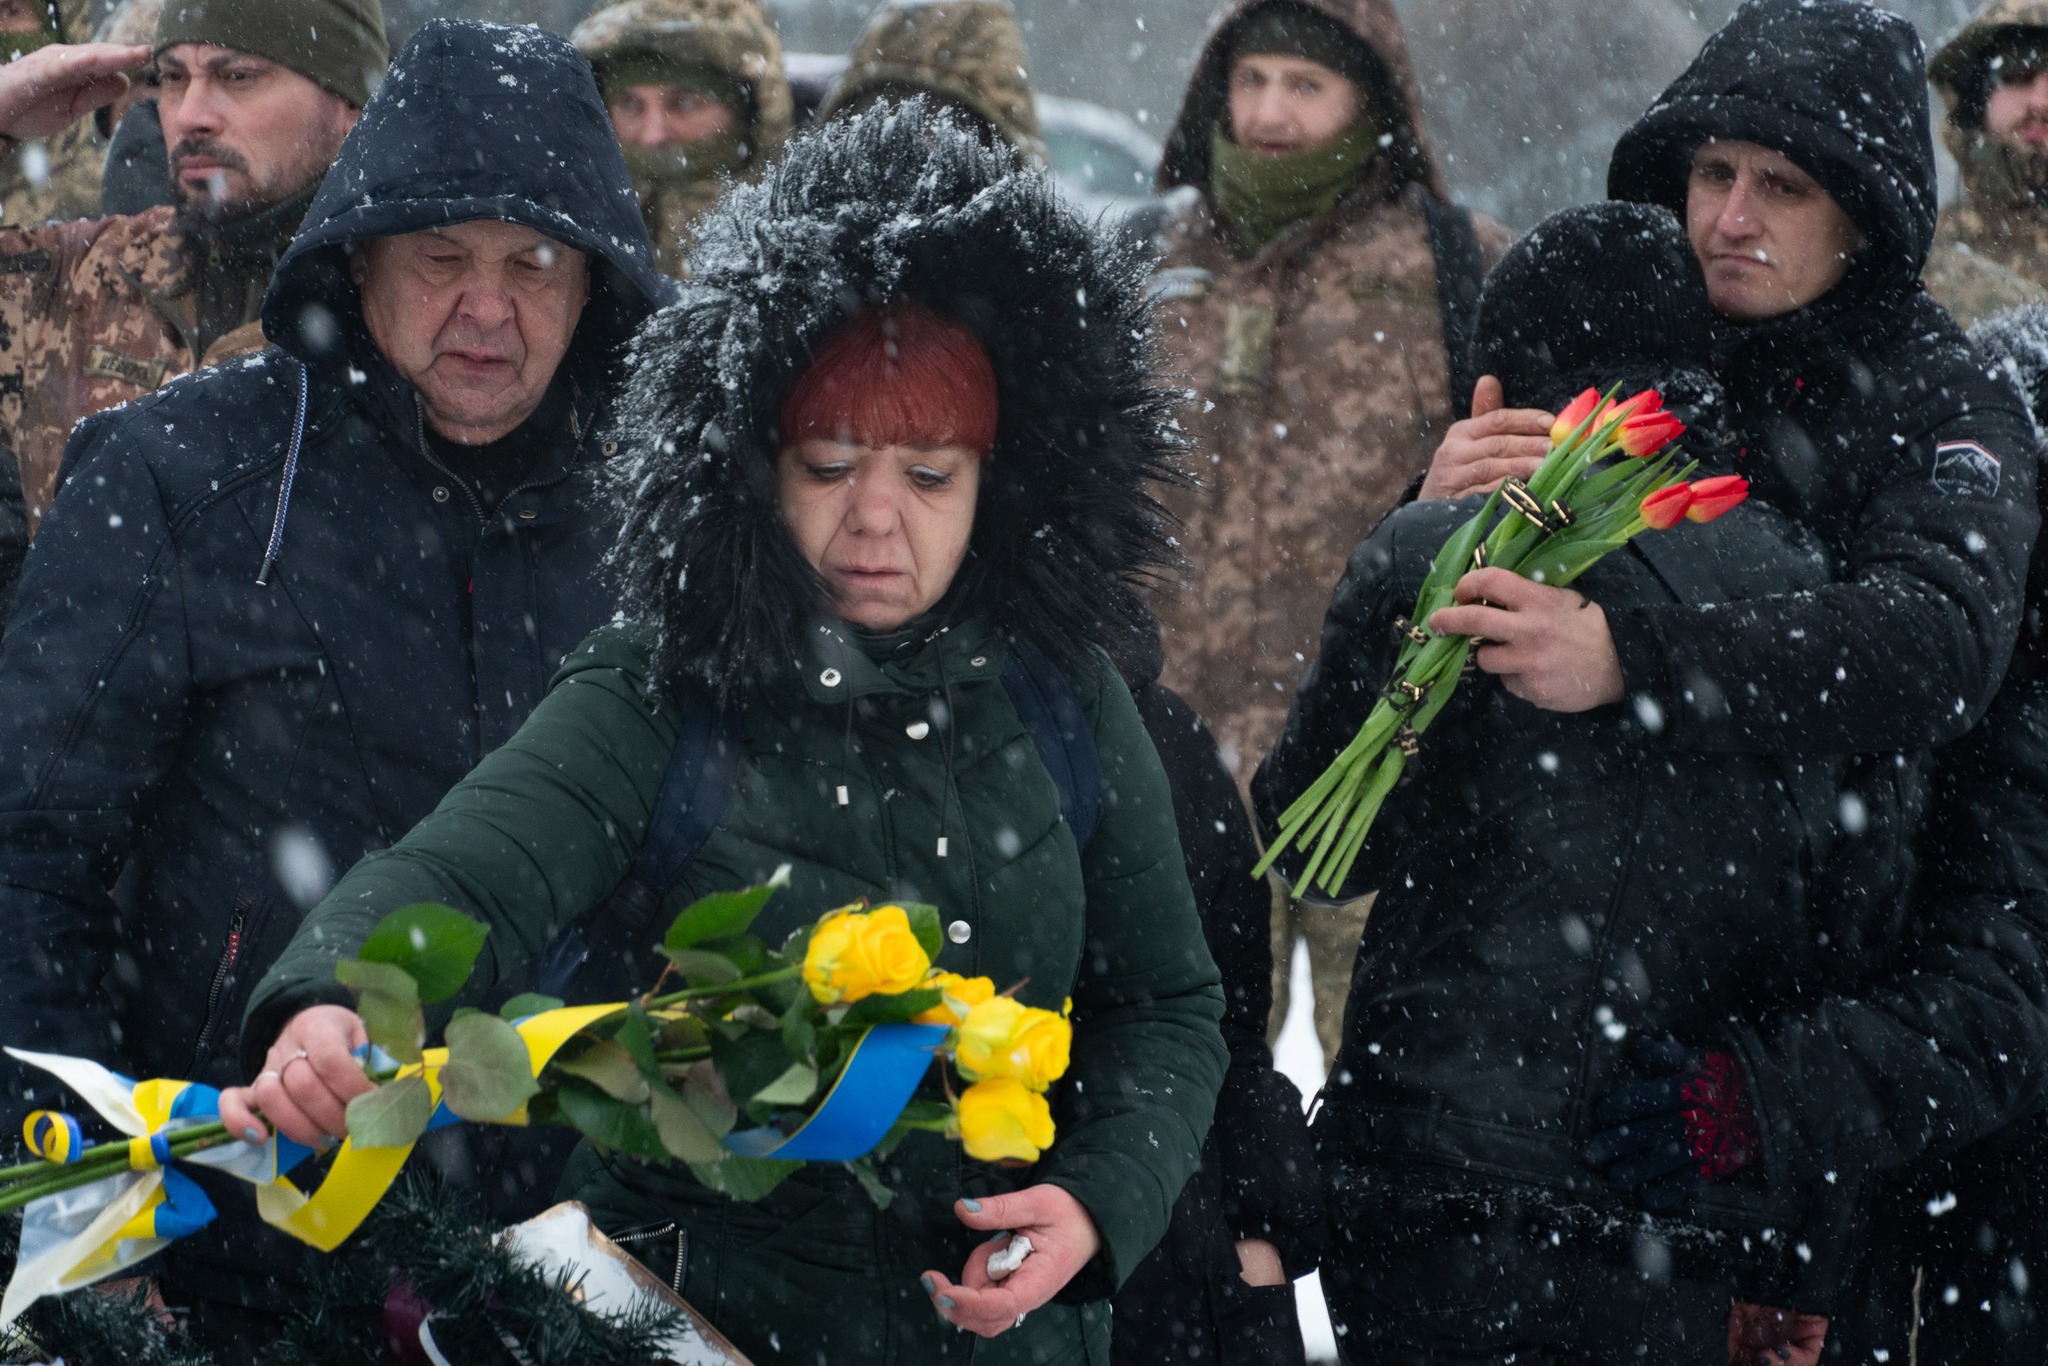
(1020, 1320)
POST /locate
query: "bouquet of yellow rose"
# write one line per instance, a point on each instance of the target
(743, 1062)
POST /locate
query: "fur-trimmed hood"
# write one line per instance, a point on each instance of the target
(900, 201)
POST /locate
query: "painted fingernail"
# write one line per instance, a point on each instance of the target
(929, 1287)
(973, 1205)
(254, 1134)
(1001, 1235)
(945, 1301)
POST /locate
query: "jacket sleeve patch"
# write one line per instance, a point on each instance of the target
(1964, 467)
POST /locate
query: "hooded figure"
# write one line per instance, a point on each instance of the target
(882, 762)
(1324, 362)
(725, 51)
(966, 54)
(1544, 877)
(270, 621)
(1991, 246)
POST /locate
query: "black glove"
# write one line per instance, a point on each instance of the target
(1669, 1137)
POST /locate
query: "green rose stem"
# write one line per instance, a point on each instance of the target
(734, 988)
(33, 1180)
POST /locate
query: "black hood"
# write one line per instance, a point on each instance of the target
(475, 121)
(1838, 86)
(902, 201)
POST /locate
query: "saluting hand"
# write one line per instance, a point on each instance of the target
(1549, 646)
(54, 87)
(1495, 444)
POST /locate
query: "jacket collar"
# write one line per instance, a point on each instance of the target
(835, 668)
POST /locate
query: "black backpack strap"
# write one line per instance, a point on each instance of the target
(1051, 712)
(687, 809)
(1459, 273)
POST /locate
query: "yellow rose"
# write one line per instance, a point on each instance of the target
(855, 954)
(1000, 1038)
(962, 994)
(1000, 1121)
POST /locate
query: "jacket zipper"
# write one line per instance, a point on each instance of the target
(229, 954)
(682, 1236)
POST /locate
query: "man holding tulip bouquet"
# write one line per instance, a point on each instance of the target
(1570, 1182)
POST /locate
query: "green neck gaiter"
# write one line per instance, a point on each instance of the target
(660, 168)
(1260, 196)
(1997, 175)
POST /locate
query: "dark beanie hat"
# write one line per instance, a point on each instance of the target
(1290, 30)
(338, 43)
(1594, 296)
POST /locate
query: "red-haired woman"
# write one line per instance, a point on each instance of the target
(898, 434)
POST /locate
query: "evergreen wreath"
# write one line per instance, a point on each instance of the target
(425, 1245)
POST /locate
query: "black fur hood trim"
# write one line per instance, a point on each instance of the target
(900, 201)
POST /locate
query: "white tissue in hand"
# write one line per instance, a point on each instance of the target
(1010, 1258)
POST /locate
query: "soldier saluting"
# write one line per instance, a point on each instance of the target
(97, 312)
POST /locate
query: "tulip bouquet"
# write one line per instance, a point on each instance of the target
(743, 1062)
(1611, 474)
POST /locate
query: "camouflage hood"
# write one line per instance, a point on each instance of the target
(1374, 23)
(1952, 68)
(1992, 174)
(736, 37)
(967, 50)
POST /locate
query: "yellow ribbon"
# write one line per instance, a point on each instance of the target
(359, 1177)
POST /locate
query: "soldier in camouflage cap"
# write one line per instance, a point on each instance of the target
(966, 53)
(57, 179)
(1991, 248)
(698, 96)
(1311, 286)
(254, 110)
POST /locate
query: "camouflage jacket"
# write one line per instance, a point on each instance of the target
(92, 314)
(736, 37)
(1319, 387)
(968, 51)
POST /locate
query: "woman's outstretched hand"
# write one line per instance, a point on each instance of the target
(308, 1079)
(1063, 1239)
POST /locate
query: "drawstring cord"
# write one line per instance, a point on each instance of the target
(284, 490)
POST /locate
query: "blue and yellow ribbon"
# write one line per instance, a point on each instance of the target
(76, 1237)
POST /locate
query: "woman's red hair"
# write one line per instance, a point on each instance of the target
(900, 375)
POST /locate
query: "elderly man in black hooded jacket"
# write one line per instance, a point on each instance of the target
(281, 608)
(1724, 834)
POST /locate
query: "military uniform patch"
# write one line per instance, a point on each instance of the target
(102, 363)
(1964, 467)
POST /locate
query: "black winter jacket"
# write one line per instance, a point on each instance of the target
(1550, 886)
(1258, 1177)
(216, 750)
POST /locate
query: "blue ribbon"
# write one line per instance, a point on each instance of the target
(877, 1082)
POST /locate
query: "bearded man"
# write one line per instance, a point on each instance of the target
(254, 111)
